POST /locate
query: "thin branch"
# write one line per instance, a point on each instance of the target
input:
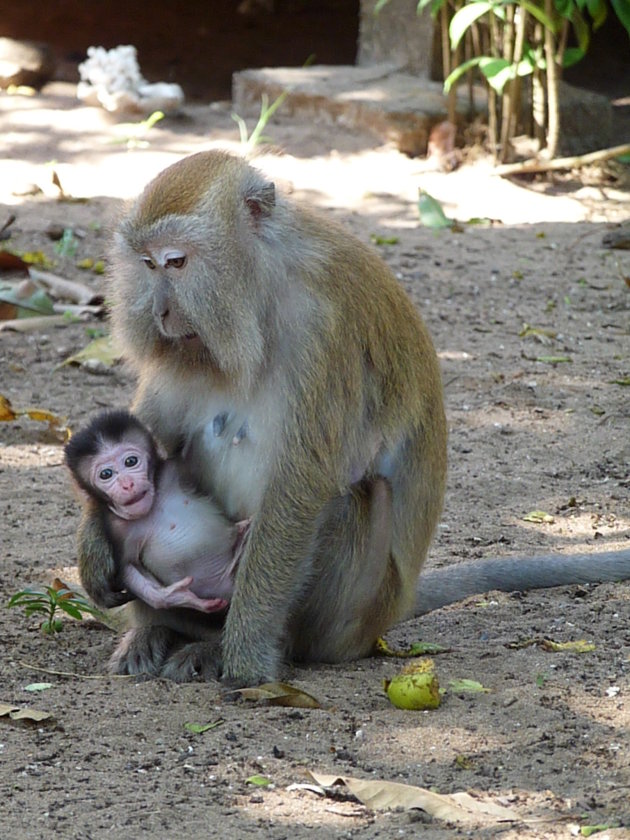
(528, 166)
(52, 671)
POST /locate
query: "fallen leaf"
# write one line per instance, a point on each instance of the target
(384, 240)
(553, 360)
(6, 409)
(579, 646)
(456, 807)
(100, 354)
(11, 262)
(23, 300)
(539, 517)
(36, 258)
(38, 687)
(431, 213)
(16, 713)
(259, 781)
(56, 424)
(465, 685)
(382, 648)
(199, 728)
(280, 694)
(542, 334)
(588, 830)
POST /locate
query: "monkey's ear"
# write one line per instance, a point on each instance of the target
(260, 200)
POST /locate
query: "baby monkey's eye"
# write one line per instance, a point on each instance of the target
(131, 460)
(106, 474)
(176, 262)
(148, 262)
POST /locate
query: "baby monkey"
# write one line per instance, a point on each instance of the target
(172, 545)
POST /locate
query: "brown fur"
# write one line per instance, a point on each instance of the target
(304, 332)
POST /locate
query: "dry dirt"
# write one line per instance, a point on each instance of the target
(551, 737)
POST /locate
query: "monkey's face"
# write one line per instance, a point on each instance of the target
(122, 474)
(189, 258)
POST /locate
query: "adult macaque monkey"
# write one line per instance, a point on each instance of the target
(173, 547)
(243, 311)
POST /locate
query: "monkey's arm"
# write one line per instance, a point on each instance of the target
(161, 597)
(439, 587)
(98, 568)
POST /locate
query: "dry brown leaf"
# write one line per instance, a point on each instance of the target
(280, 694)
(16, 713)
(460, 807)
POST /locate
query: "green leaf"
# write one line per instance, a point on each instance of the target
(539, 517)
(426, 649)
(553, 360)
(384, 240)
(38, 686)
(71, 609)
(598, 10)
(588, 830)
(497, 71)
(199, 728)
(539, 14)
(459, 71)
(436, 6)
(571, 56)
(431, 213)
(37, 303)
(622, 10)
(259, 781)
(582, 31)
(468, 686)
(467, 15)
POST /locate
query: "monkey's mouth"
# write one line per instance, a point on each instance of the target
(135, 499)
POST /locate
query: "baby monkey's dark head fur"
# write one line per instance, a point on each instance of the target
(107, 428)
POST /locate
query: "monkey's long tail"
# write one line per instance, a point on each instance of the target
(439, 587)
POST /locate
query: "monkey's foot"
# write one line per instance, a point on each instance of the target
(194, 661)
(143, 650)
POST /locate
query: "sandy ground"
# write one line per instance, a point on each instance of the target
(551, 738)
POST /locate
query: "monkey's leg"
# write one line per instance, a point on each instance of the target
(194, 661)
(353, 595)
(180, 644)
(143, 650)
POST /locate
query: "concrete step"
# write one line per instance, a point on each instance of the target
(402, 108)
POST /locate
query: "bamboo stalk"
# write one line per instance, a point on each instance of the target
(553, 81)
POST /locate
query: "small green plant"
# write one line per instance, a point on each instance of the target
(50, 601)
(266, 113)
(68, 244)
(134, 138)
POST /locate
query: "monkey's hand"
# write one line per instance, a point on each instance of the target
(97, 566)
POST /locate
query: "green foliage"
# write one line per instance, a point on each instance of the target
(505, 41)
(49, 602)
(266, 113)
(68, 244)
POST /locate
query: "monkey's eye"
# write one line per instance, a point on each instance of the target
(148, 262)
(176, 262)
(131, 460)
(106, 474)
